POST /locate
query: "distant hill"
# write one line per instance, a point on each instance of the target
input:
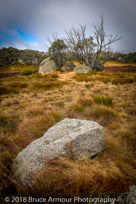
(12, 56)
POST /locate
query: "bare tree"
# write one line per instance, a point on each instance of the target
(79, 45)
(51, 40)
(88, 50)
(103, 43)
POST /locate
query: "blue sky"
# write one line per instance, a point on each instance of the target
(27, 37)
(5, 36)
(26, 24)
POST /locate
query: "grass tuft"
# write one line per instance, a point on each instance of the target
(102, 114)
(107, 101)
(8, 123)
(48, 85)
(76, 107)
(38, 125)
(28, 72)
(18, 85)
(8, 90)
(84, 101)
(123, 81)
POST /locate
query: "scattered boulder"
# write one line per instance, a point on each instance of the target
(47, 66)
(63, 69)
(85, 137)
(82, 69)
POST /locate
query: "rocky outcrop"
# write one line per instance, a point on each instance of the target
(82, 69)
(47, 66)
(85, 137)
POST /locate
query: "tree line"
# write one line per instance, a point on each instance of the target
(12, 55)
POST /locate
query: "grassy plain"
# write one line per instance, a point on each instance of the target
(30, 104)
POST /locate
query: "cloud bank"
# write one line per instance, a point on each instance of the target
(25, 24)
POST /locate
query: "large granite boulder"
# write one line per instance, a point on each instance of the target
(82, 69)
(47, 66)
(85, 137)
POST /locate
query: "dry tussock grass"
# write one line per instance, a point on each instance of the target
(85, 178)
(26, 115)
(113, 63)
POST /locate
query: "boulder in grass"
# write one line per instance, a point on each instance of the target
(47, 66)
(85, 137)
(79, 69)
(64, 69)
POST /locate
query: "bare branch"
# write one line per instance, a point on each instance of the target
(103, 40)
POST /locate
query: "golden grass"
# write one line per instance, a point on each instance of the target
(17, 68)
(113, 63)
(106, 78)
(39, 122)
(85, 178)
(85, 101)
(27, 112)
(107, 101)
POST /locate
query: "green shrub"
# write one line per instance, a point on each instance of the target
(107, 101)
(28, 72)
(71, 65)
